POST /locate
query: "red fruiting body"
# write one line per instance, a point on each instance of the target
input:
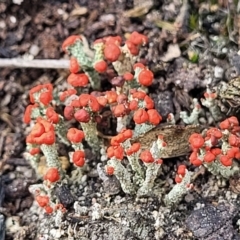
(128, 76)
(149, 102)
(181, 170)
(113, 39)
(214, 132)
(37, 130)
(102, 100)
(138, 38)
(75, 103)
(212, 139)
(119, 110)
(178, 179)
(235, 130)
(74, 65)
(47, 125)
(111, 96)
(234, 140)
(133, 105)
(226, 161)
(82, 116)
(229, 123)
(59, 206)
(52, 175)
(138, 65)
(47, 138)
(111, 52)
(209, 157)
(97, 41)
(109, 170)
(233, 121)
(193, 156)
(34, 151)
(45, 98)
(159, 161)
(43, 88)
(78, 80)
(48, 209)
(164, 144)
(100, 66)
(210, 95)
(90, 101)
(78, 158)
(196, 140)
(216, 151)
(139, 95)
(70, 41)
(145, 77)
(146, 157)
(28, 112)
(116, 140)
(224, 124)
(127, 133)
(154, 117)
(75, 135)
(68, 112)
(133, 49)
(237, 155)
(34, 90)
(160, 136)
(231, 153)
(133, 149)
(52, 116)
(115, 151)
(140, 116)
(42, 133)
(122, 98)
(42, 201)
(194, 159)
(67, 93)
(197, 162)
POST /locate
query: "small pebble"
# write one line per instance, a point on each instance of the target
(34, 50)
(218, 72)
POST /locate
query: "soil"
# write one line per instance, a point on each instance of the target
(36, 29)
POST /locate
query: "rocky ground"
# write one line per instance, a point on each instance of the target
(191, 45)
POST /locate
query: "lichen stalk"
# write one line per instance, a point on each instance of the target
(141, 129)
(152, 168)
(90, 130)
(193, 118)
(178, 191)
(121, 123)
(122, 175)
(134, 162)
(77, 50)
(50, 152)
(151, 173)
(61, 131)
(211, 103)
(216, 168)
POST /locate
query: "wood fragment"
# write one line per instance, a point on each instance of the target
(176, 137)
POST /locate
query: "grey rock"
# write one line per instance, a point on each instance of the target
(213, 223)
(64, 195)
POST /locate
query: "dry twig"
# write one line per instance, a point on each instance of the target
(35, 63)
